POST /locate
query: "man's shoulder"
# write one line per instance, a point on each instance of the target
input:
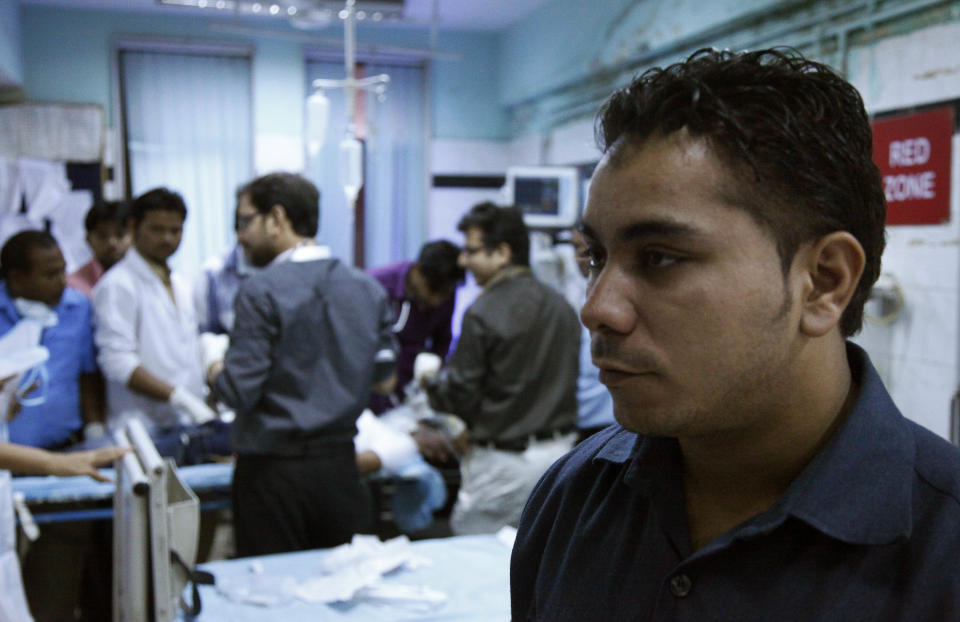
(74, 301)
(527, 286)
(120, 275)
(321, 273)
(353, 277)
(575, 473)
(392, 274)
(525, 296)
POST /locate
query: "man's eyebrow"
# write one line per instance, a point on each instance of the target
(645, 229)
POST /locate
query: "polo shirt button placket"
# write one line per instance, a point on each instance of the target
(680, 585)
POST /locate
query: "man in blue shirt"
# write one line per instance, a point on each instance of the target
(760, 471)
(34, 285)
(34, 290)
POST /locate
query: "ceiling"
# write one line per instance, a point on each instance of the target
(491, 15)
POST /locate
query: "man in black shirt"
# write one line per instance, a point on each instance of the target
(513, 375)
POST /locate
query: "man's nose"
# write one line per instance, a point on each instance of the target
(608, 306)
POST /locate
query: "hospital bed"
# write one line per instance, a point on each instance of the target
(472, 572)
(52, 499)
(60, 499)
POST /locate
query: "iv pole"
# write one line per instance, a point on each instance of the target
(351, 151)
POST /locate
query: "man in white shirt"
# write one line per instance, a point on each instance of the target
(146, 329)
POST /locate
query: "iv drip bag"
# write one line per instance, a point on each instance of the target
(351, 167)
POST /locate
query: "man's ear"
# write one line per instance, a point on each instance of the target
(278, 215)
(504, 249)
(833, 264)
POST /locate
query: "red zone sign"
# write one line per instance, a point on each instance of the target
(913, 155)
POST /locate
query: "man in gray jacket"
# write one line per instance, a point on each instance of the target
(311, 338)
(513, 375)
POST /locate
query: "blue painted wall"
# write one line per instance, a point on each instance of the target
(67, 58)
(557, 42)
(549, 49)
(466, 92)
(11, 60)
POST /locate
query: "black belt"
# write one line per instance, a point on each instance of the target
(521, 444)
(300, 447)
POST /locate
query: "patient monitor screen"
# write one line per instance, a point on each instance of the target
(537, 195)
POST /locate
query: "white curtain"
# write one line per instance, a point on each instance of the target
(189, 128)
(395, 180)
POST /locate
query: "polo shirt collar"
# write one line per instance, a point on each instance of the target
(506, 273)
(857, 489)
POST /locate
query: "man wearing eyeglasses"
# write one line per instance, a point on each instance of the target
(513, 375)
(312, 338)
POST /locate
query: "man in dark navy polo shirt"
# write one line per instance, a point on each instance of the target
(760, 470)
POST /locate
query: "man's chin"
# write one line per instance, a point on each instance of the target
(648, 417)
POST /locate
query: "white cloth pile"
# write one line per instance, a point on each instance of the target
(347, 573)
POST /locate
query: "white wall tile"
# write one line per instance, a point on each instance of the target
(922, 392)
(917, 68)
(573, 143)
(447, 205)
(917, 355)
(468, 157)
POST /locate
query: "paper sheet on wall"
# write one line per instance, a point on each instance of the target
(69, 231)
(65, 132)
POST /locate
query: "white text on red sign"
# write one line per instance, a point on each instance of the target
(909, 152)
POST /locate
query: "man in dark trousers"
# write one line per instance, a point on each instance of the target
(760, 471)
(311, 337)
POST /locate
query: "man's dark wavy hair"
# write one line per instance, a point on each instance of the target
(438, 264)
(105, 211)
(157, 199)
(794, 134)
(500, 224)
(297, 194)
